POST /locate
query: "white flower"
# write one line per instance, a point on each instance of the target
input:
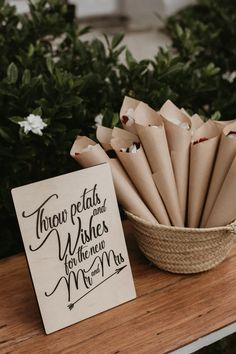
(98, 120)
(33, 123)
(229, 76)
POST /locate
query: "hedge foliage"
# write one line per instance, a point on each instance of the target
(47, 68)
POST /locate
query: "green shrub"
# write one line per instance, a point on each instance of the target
(206, 33)
(47, 69)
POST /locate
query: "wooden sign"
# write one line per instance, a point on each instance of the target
(75, 246)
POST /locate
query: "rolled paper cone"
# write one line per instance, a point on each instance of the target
(126, 193)
(225, 156)
(151, 132)
(88, 158)
(221, 124)
(172, 113)
(104, 136)
(185, 112)
(137, 168)
(128, 103)
(179, 146)
(202, 158)
(179, 138)
(124, 135)
(196, 121)
(224, 210)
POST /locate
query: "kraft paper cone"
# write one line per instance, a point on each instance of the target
(124, 135)
(225, 156)
(127, 193)
(202, 158)
(128, 103)
(155, 145)
(125, 190)
(185, 112)
(224, 210)
(221, 124)
(137, 167)
(90, 158)
(104, 136)
(172, 113)
(179, 140)
(196, 121)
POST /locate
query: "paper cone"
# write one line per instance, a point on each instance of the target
(185, 112)
(124, 135)
(224, 210)
(179, 146)
(137, 167)
(225, 156)
(125, 190)
(196, 121)
(104, 136)
(221, 124)
(155, 145)
(127, 104)
(202, 158)
(172, 113)
(127, 194)
(88, 158)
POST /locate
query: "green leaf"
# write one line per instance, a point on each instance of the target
(179, 30)
(71, 101)
(50, 65)
(129, 57)
(31, 50)
(118, 37)
(16, 119)
(12, 73)
(26, 77)
(115, 120)
(84, 30)
(38, 111)
(216, 116)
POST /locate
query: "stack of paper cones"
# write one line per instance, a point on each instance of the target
(168, 167)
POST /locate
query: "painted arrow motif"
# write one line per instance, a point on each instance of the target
(117, 271)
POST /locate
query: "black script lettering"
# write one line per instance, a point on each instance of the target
(90, 199)
(38, 213)
(100, 209)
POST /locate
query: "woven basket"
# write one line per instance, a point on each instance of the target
(183, 250)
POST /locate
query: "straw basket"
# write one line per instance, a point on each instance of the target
(183, 250)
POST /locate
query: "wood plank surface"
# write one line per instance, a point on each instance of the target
(170, 311)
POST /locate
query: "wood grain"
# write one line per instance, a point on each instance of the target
(170, 311)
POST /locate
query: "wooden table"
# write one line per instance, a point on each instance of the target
(169, 312)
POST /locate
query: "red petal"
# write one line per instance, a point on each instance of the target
(124, 119)
(200, 140)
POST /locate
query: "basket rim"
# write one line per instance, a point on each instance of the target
(230, 227)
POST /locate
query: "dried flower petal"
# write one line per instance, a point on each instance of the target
(200, 140)
(128, 117)
(132, 148)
